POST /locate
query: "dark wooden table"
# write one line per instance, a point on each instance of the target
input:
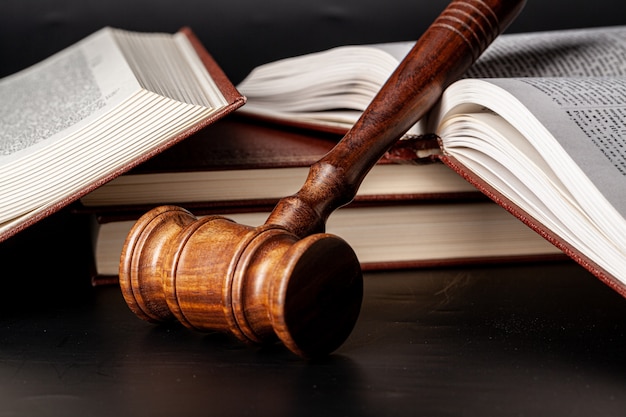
(520, 340)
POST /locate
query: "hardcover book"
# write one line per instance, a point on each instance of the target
(541, 132)
(96, 109)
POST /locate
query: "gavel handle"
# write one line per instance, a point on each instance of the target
(441, 55)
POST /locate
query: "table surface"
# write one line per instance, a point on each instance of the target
(523, 340)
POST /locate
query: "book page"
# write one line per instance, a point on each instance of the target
(566, 53)
(60, 95)
(169, 66)
(552, 146)
(562, 53)
(318, 88)
(586, 116)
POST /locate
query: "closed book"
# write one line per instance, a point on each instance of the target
(239, 163)
(388, 236)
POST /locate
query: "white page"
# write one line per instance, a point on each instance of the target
(47, 102)
(587, 117)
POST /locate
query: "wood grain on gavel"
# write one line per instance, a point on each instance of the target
(287, 280)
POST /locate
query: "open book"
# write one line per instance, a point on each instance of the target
(96, 109)
(328, 90)
(546, 140)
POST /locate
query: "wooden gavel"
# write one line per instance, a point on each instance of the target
(287, 279)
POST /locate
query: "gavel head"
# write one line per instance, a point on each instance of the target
(260, 284)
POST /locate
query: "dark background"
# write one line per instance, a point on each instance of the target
(240, 34)
(509, 340)
(244, 33)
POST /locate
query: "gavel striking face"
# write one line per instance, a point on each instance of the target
(287, 280)
(257, 283)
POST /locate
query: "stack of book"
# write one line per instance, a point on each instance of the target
(404, 215)
(532, 134)
(541, 135)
